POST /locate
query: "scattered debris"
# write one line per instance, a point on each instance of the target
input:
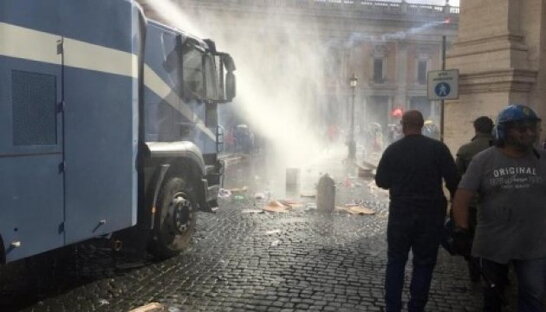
(356, 209)
(291, 203)
(239, 190)
(150, 307)
(366, 170)
(103, 302)
(355, 203)
(360, 210)
(271, 232)
(276, 206)
(374, 190)
(261, 198)
(366, 173)
(223, 193)
(347, 182)
(310, 206)
(252, 211)
(275, 243)
(369, 164)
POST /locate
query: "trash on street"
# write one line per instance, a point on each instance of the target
(151, 307)
(271, 232)
(372, 186)
(356, 209)
(223, 193)
(103, 302)
(252, 211)
(239, 190)
(365, 173)
(310, 206)
(276, 206)
(291, 203)
(366, 170)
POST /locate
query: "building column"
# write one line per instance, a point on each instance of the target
(391, 107)
(494, 53)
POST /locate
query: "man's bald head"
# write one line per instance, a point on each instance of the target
(412, 122)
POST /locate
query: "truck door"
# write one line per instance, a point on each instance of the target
(100, 116)
(31, 142)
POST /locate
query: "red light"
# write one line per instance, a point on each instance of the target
(447, 21)
(397, 112)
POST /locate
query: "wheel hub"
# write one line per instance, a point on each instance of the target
(182, 212)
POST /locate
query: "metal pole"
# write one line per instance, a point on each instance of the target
(442, 101)
(352, 143)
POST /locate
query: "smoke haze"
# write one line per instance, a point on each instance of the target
(291, 80)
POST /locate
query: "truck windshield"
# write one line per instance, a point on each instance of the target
(211, 78)
(194, 86)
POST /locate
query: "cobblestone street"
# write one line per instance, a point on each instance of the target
(225, 155)
(245, 260)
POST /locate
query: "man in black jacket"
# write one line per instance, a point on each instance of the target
(482, 140)
(412, 170)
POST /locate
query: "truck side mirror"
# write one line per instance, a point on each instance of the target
(231, 85)
(228, 62)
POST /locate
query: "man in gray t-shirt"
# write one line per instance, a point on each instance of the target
(511, 181)
(511, 221)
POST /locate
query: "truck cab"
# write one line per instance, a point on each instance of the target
(107, 123)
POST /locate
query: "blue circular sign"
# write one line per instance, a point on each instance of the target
(442, 89)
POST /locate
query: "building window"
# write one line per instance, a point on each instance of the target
(422, 71)
(378, 70)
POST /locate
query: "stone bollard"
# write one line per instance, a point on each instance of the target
(292, 180)
(326, 194)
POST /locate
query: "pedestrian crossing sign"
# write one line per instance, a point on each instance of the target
(443, 84)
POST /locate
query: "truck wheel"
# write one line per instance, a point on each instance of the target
(175, 218)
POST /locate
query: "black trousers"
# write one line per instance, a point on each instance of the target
(416, 227)
(531, 275)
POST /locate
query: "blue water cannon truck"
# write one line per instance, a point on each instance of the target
(108, 122)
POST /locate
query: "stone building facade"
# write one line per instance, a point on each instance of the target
(501, 56)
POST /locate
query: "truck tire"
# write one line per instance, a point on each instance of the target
(175, 219)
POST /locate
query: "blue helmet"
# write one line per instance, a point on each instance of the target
(513, 113)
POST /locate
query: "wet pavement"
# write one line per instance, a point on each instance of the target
(244, 259)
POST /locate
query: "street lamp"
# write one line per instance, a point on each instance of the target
(353, 81)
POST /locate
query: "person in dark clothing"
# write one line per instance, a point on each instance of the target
(483, 139)
(412, 169)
